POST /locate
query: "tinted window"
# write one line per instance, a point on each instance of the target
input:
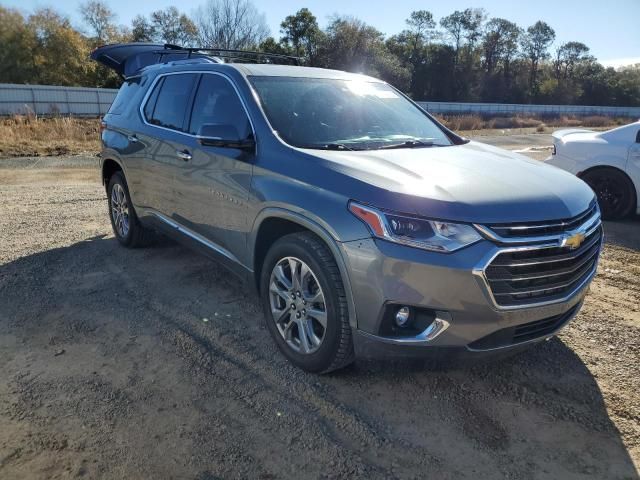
(217, 102)
(359, 114)
(172, 102)
(125, 95)
(151, 102)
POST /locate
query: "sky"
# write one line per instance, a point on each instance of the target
(609, 28)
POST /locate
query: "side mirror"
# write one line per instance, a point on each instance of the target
(221, 135)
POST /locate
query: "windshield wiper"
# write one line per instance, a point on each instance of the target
(327, 146)
(409, 144)
(336, 146)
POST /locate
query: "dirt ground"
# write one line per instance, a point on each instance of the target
(154, 363)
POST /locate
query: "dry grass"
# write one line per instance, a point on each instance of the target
(22, 136)
(471, 123)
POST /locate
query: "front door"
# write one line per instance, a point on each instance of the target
(213, 185)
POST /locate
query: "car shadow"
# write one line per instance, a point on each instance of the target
(541, 411)
(623, 233)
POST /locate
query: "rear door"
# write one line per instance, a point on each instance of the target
(165, 113)
(212, 187)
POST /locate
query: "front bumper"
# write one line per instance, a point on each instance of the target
(383, 273)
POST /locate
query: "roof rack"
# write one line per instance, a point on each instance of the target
(129, 59)
(230, 54)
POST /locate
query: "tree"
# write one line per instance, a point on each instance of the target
(568, 56)
(142, 30)
(472, 60)
(421, 28)
(464, 25)
(60, 53)
(410, 47)
(352, 45)
(301, 34)
(464, 29)
(100, 18)
(535, 45)
(233, 24)
(499, 47)
(17, 41)
(271, 45)
(500, 43)
(171, 26)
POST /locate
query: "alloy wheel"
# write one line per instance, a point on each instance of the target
(120, 210)
(298, 305)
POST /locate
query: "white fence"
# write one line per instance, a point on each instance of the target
(509, 109)
(52, 100)
(93, 102)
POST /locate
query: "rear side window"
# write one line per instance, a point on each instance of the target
(126, 93)
(153, 98)
(167, 106)
(217, 102)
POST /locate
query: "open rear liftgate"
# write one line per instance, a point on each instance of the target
(128, 59)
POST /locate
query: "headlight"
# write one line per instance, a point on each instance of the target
(433, 235)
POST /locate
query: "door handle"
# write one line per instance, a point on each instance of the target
(184, 155)
(132, 138)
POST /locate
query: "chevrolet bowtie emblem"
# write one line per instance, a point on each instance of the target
(573, 241)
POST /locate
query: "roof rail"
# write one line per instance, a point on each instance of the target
(231, 54)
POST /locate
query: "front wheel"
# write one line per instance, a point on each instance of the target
(615, 192)
(305, 305)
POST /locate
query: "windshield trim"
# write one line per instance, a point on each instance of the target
(450, 134)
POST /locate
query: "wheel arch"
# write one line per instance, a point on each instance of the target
(275, 222)
(108, 168)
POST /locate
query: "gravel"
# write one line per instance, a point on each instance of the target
(155, 363)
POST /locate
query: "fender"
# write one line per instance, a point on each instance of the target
(110, 155)
(333, 243)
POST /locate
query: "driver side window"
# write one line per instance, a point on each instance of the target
(217, 103)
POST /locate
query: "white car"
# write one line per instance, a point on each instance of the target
(608, 161)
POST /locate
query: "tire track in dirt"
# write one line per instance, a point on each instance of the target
(271, 390)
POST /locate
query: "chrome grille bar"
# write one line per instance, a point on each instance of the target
(529, 234)
(527, 229)
(545, 270)
(565, 271)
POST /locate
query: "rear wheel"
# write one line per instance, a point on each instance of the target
(124, 221)
(615, 192)
(305, 305)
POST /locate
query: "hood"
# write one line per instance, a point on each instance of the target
(471, 183)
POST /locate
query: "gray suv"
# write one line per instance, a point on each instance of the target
(365, 226)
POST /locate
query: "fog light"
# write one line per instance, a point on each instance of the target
(402, 316)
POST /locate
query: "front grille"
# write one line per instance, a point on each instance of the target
(535, 274)
(531, 229)
(524, 333)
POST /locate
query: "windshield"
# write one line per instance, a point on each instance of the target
(344, 114)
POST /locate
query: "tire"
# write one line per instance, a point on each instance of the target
(615, 192)
(124, 221)
(335, 347)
